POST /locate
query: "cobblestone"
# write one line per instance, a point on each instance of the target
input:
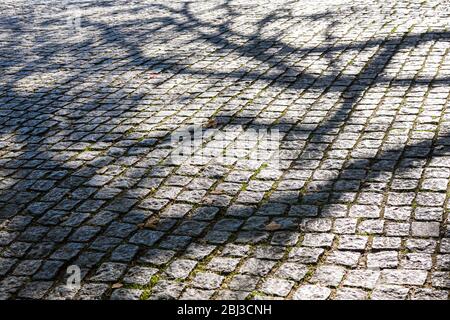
(139, 275)
(277, 287)
(207, 280)
(99, 101)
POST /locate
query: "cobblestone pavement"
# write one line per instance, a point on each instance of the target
(355, 207)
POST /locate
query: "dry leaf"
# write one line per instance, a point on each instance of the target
(117, 285)
(273, 226)
(151, 222)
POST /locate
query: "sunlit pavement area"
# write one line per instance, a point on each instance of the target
(97, 98)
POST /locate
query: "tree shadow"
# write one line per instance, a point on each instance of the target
(79, 160)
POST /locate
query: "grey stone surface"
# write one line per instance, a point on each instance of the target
(166, 290)
(351, 294)
(35, 289)
(349, 201)
(328, 275)
(382, 259)
(292, 270)
(207, 280)
(126, 294)
(312, 292)
(389, 292)
(180, 268)
(362, 278)
(139, 275)
(108, 272)
(277, 286)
